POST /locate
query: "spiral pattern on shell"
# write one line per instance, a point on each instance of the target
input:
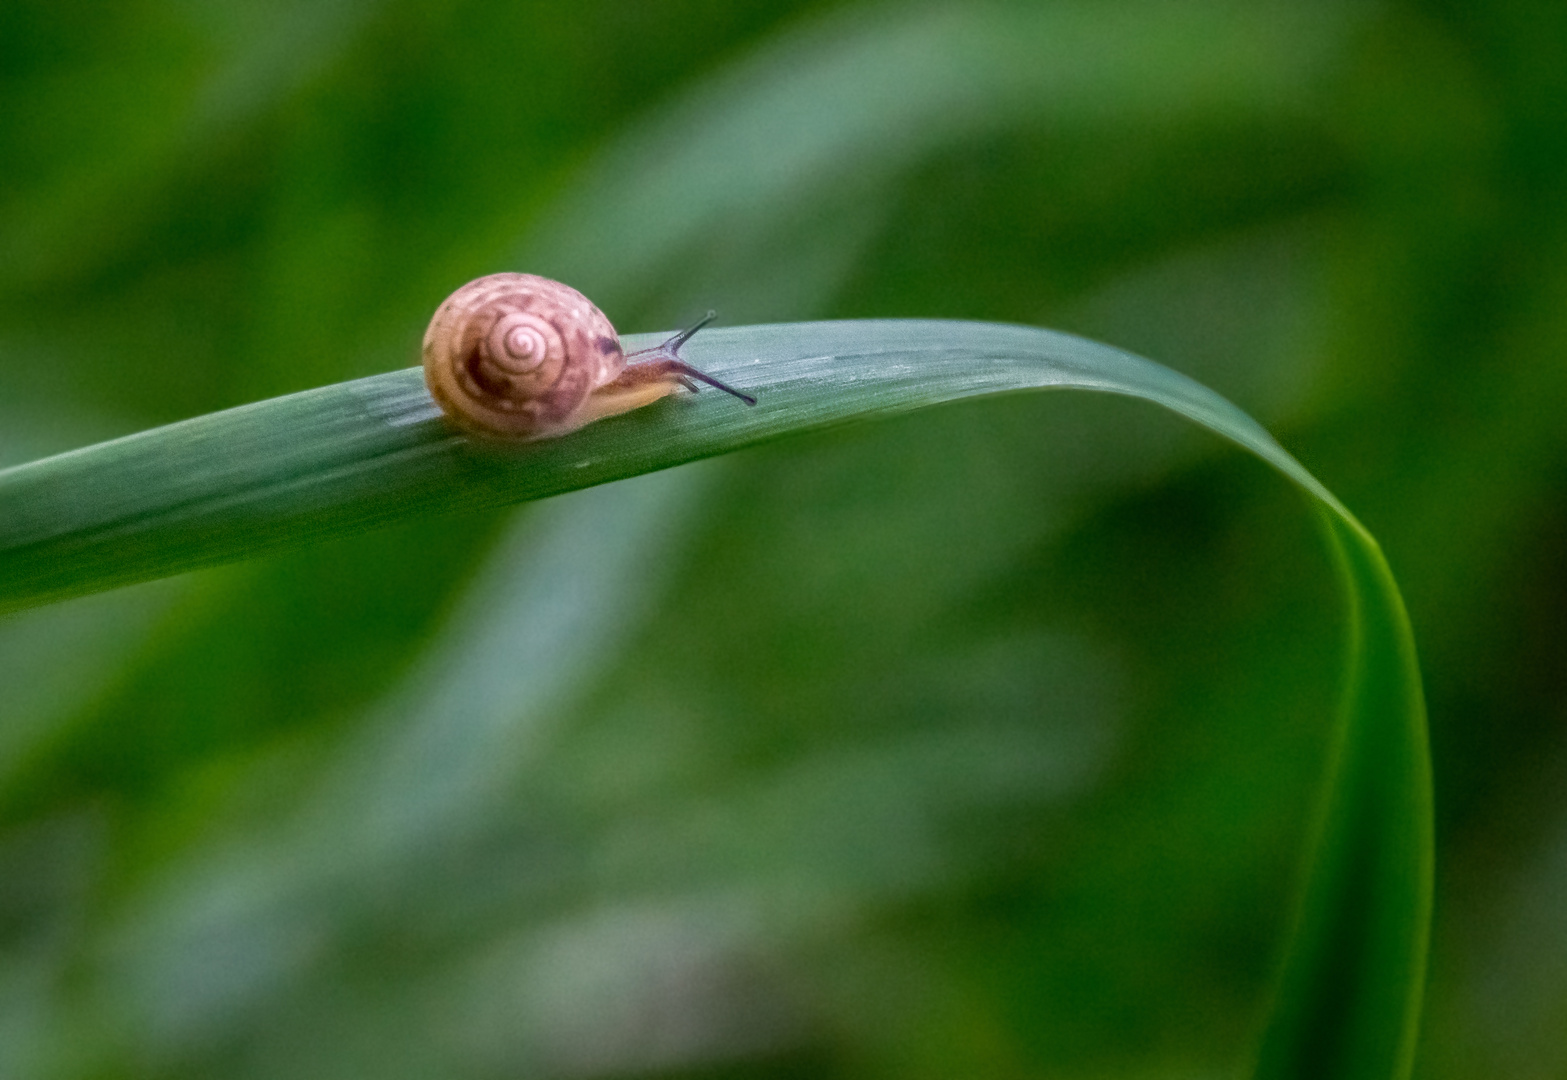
(516, 355)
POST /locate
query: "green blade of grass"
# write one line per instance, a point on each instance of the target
(346, 457)
(343, 457)
(1349, 1000)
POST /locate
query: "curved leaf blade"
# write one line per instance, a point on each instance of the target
(1349, 998)
(349, 456)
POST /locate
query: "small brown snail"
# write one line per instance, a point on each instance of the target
(520, 357)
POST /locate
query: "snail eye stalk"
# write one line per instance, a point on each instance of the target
(671, 349)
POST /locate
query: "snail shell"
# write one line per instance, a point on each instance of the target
(516, 355)
(519, 357)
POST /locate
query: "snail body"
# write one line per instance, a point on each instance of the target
(520, 357)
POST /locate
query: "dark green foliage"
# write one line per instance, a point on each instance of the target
(980, 741)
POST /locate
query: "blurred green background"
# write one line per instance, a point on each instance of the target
(977, 743)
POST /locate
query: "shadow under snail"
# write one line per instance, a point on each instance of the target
(521, 357)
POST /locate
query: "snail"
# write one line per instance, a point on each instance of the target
(520, 357)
